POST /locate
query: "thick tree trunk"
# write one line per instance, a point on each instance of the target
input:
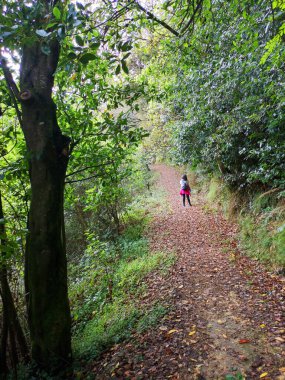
(45, 266)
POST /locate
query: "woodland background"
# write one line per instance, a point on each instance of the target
(93, 94)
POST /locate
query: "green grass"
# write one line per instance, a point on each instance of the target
(264, 240)
(131, 273)
(261, 219)
(101, 321)
(118, 321)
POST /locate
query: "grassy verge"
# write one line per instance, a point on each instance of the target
(263, 229)
(109, 281)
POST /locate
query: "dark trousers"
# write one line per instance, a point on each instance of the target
(188, 199)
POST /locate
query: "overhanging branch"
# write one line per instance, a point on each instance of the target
(154, 18)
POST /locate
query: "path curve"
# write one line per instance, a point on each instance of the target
(226, 312)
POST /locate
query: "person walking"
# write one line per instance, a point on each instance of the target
(185, 190)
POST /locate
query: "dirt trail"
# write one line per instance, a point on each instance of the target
(226, 312)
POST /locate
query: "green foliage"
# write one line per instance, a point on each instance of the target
(109, 277)
(223, 109)
(151, 318)
(103, 318)
(265, 240)
(237, 376)
(261, 221)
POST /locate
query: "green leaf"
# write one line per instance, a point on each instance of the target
(118, 70)
(42, 33)
(126, 55)
(80, 6)
(125, 67)
(126, 46)
(79, 40)
(95, 45)
(85, 58)
(56, 12)
(71, 55)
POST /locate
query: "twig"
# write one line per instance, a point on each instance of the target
(83, 179)
(86, 168)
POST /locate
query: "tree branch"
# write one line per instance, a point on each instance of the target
(86, 168)
(83, 179)
(199, 5)
(154, 18)
(9, 78)
(12, 87)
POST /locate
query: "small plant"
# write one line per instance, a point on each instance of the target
(238, 376)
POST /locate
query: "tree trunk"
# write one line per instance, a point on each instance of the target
(11, 326)
(3, 347)
(45, 263)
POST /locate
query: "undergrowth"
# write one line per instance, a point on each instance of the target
(109, 279)
(263, 229)
(261, 218)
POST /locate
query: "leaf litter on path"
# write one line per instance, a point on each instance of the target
(236, 306)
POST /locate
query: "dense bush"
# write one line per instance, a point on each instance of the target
(227, 109)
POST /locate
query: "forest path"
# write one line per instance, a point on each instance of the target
(226, 314)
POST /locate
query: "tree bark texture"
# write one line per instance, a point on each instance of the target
(45, 262)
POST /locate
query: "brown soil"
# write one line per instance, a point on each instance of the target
(226, 311)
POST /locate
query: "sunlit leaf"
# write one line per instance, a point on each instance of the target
(42, 33)
(56, 12)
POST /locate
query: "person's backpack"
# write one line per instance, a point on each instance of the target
(185, 186)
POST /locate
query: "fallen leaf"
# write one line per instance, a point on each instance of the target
(163, 328)
(262, 325)
(220, 321)
(264, 374)
(172, 331)
(243, 341)
(192, 333)
(279, 339)
(282, 369)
